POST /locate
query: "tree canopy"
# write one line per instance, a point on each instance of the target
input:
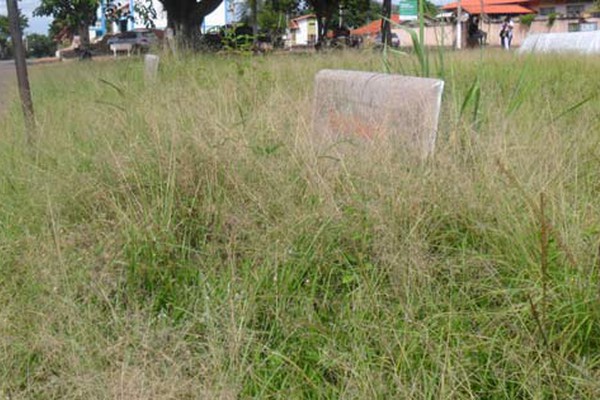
(5, 25)
(326, 11)
(5, 48)
(356, 13)
(77, 15)
(40, 46)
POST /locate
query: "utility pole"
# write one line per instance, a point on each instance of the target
(16, 37)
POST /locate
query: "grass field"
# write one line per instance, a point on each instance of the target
(190, 238)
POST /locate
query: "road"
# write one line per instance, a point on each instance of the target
(7, 81)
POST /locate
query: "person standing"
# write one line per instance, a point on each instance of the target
(506, 33)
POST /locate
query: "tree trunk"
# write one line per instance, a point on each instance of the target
(255, 20)
(187, 31)
(84, 35)
(386, 29)
(186, 22)
(322, 26)
(186, 17)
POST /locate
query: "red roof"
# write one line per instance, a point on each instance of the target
(492, 6)
(499, 9)
(451, 6)
(374, 27)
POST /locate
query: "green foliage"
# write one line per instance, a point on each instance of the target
(430, 10)
(76, 15)
(40, 46)
(527, 19)
(56, 27)
(418, 45)
(5, 46)
(273, 14)
(146, 12)
(357, 13)
(552, 19)
(5, 26)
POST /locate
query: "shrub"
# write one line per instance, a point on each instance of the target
(551, 19)
(40, 46)
(527, 19)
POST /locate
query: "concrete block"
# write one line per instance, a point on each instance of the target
(372, 106)
(151, 67)
(563, 42)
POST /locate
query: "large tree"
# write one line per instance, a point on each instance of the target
(327, 11)
(356, 13)
(78, 15)
(271, 13)
(5, 25)
(40, 46)
(5, 49)
(324, 11)
(186, 16)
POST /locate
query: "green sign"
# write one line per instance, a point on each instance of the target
(408, 9)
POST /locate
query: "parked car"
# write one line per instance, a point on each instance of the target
(395, 40)
(140, 39)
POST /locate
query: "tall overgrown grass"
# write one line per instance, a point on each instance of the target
(191, 239)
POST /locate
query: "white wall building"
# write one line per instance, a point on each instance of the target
(302, 31)
(226, 13)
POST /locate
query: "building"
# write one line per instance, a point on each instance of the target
(226, 13)
(560, 8)
(373, 28)
(302, 31)
(549, 16)
(564, 8)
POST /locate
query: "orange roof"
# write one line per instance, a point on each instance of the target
(453, 5)
(492, 6)
(498, 9)
(373, 27)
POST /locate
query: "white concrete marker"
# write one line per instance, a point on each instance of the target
(369, 105)
(563, 42)
(150, 67)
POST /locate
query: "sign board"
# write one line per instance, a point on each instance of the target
(408, 10)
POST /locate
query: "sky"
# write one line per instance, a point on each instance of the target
(37, 24)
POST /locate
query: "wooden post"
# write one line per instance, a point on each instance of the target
(16, 37)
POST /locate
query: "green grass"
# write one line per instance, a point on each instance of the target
(191, 239)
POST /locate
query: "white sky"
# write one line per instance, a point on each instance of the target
(36, 25)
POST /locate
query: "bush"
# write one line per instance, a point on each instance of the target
(527, 19)
(40, 46)
(551, 19)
